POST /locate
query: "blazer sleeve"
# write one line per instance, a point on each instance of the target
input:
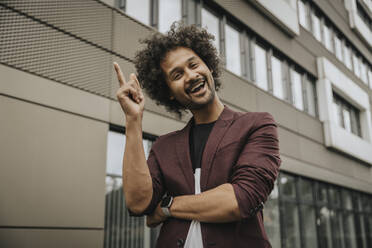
(157, 185)
(257, 167)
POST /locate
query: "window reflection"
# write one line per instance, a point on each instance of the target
(169, 11)
(232, 50)
(271, 218)
(356, 65)
(261, 67)
(211, 23)
(316, 26)
(302, 13)
(338, 229)
(139, 9)
(347, 119)
(350, 235)
(324, 225)
(276, 68)
(327, 37)
(297, 90)
(310, 96)
(347, 57)
(291, 225)
(363, 72)
(120, 228)
(338, 48)
(305, 190)
(309, 226)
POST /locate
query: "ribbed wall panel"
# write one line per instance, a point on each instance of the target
(73, 42)
(87, 19)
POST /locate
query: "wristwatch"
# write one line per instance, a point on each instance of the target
(165, 204)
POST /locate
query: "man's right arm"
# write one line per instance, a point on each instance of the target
(137, 182)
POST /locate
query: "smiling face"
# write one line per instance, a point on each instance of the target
(189, 79)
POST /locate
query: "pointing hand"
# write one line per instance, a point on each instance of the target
(130, 95)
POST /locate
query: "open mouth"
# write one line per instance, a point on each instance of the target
(197, 87)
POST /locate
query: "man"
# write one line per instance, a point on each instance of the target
(207, 182)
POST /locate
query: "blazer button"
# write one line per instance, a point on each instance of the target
(180, 242)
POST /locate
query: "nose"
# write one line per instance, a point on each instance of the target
(191, 75)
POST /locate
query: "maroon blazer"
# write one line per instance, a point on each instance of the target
(243, 150)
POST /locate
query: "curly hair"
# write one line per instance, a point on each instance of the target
(148, 60)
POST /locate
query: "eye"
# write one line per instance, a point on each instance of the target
(193, 65)
(177, 76)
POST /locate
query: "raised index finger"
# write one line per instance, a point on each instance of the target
(119, 74)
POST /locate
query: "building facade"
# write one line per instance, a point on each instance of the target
(62, 133)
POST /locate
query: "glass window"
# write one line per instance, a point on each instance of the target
(303, 14)
(347, 116)
(316, 26)
(309, 226)
(321, 193)
(350, 232)
(347, 57)
(120, 228)
(338, 47)
(347, 119)
(324, 225)
(368, 223)
(334, 197)
(287, 186)
(356, 65)
(355, 122)
(338, 229)
(169, 11)
(363, 72)
(306, 190)
(211, 23)
(370, 78)
(310, 97)
(327, 37)
(347, 202)
(297, 90)
(291, 225)
(232, 50)
(261, 67)
(271, 217)
(361, 230)
(278, 82)
(139, 9)
(337, 110)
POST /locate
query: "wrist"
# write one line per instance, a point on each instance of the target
(165, 205)
(133, 120)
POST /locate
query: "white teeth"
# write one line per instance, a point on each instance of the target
(197, 86)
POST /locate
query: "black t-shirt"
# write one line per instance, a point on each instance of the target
(198, 138)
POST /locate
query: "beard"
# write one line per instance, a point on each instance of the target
(193, 105)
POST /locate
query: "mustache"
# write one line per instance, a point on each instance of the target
(194, 82)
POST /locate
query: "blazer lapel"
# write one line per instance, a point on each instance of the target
(183, 154)
(220, 127)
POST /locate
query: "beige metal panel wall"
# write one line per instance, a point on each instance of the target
(56, 238)
(126, 34)
(52, 171)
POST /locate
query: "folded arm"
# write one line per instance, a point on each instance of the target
(252, 180)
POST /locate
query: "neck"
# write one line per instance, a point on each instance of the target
(209, 113)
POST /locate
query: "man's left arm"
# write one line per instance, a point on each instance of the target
(252, 180)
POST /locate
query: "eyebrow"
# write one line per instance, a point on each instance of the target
(177, 68)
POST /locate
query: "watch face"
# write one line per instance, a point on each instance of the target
(166, 201)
